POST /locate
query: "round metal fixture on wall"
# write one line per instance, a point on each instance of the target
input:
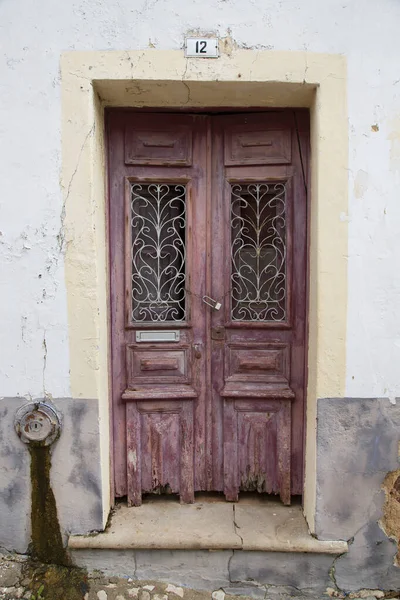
(37, 423)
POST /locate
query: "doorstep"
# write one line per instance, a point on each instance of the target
(253, 523)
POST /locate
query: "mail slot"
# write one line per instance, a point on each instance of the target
(158, 336)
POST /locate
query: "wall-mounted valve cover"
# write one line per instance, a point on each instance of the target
(37, 422)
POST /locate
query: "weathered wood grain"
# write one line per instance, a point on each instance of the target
(223, 408)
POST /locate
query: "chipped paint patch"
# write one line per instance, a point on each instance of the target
(132, 458)
(391, 509)
(360, 183)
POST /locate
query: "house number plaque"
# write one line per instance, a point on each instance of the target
(201, 47)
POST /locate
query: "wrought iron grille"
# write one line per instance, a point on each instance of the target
(158, 220)
(258, 251)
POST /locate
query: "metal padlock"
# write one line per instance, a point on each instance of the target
(211, 302)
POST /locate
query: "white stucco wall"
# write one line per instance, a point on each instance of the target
(34, 354)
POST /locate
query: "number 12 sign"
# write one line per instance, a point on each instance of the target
(201, 47)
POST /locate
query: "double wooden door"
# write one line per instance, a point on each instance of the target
(208, 239)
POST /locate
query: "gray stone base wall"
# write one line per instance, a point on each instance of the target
(236, 571)
(75, 472)
(357, 446)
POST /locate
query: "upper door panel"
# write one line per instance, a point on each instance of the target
(159, 140)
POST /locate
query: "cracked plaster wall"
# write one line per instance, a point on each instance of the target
(357, 445)
(34, 350)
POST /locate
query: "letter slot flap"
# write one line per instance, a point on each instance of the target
(158, 336)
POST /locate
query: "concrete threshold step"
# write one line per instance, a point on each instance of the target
(251, 524)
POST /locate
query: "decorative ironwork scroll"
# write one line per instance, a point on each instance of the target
(158, 219)
(258, 251)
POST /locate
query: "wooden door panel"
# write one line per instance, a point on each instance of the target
(257, 440)
(219, 404)
(157, 366)
(263, 363)
(258, 314)
(257, 452)
(257, 139)
(157, 140)
(160, 450)
(158, 387)
(256, 146)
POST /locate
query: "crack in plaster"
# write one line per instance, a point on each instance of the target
(236, 526)
(61, 234)
(249, 582)
(332, 571)
(252, 64)
(229, 568)
(79, 76)
(128, 58)
(24, 320)
(185, 84)
(44, 345)
(134, 565)
(350, 541)
(305, 69)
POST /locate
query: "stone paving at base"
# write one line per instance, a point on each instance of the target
(16, 584)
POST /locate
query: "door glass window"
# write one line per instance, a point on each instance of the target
(258, 252)
(158, 221)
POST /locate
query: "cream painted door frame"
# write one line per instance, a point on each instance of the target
(166, 79)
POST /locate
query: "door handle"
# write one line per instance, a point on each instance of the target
(211, 302)
(197, 350)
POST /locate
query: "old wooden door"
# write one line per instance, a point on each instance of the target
(208, 242)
